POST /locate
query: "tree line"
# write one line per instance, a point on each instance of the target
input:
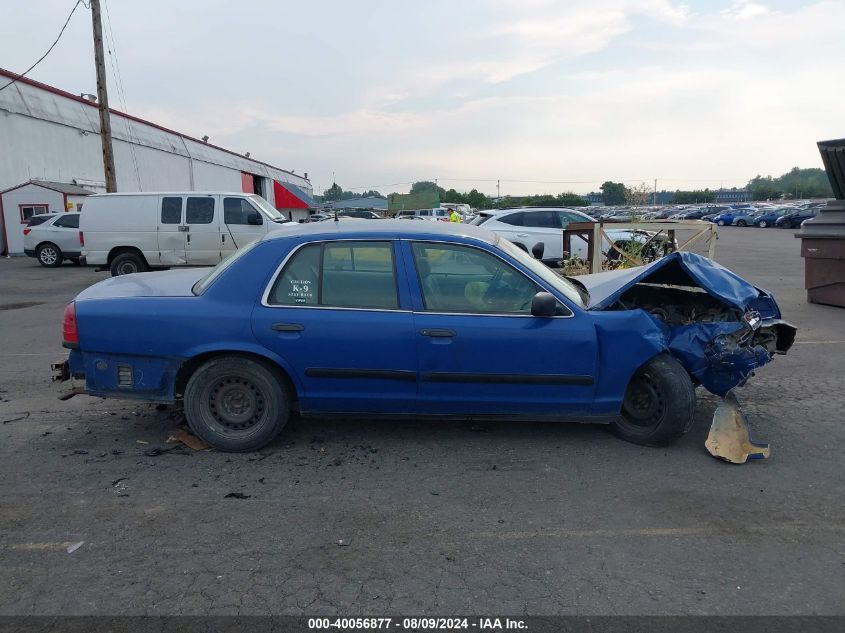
(796, 183)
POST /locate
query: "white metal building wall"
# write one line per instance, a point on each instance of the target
(49, 135)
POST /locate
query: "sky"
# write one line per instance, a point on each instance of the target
(542, 96)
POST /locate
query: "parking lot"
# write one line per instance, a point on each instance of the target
(421, 517)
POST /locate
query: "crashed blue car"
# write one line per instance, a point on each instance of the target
(397, 319)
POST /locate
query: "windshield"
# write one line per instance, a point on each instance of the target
(267, 208)
(220, 268)
(566, 288)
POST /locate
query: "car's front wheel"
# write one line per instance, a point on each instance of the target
(659, 404)
(741, 223)
(236, 404)
(49, 255)
(721, 222)
(762, 224)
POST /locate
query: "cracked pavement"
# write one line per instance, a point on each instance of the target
(436, 518)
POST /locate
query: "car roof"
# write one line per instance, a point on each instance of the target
(530, 209)
(387, 228)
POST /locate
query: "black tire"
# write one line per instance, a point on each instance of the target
(762, 224)
(659, 405)
(786, 225)
(236, 404)
(127, 264)
(49, 255)
(741, 223)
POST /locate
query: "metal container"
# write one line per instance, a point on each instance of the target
(823, 237)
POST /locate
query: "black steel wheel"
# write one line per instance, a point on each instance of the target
(659, 404)
(236, 403)
(127, 264)
(49, 255)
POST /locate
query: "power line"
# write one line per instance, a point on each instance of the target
(41, 59)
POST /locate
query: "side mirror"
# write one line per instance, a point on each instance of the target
(254, 218)
(543, 305)
(538, 249)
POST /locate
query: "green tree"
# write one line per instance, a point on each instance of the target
(613, 193)
(477, 200)
(335, 192)
(426, 185)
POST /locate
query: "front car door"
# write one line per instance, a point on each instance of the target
(65, 233)
(242, 224)
(338, 313)
(480, 349)
(203, 243)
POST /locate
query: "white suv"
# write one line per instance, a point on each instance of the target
(529, 226)
(53, 240)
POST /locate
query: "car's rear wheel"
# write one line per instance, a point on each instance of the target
(762, 224)
(49, 255)
(659, 404)
(127, 264)
(236, 404)
(786, 225)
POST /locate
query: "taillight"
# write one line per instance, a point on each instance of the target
(70, 335)
(26, 231)
(81, 239)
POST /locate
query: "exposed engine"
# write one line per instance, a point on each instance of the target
(677, 305)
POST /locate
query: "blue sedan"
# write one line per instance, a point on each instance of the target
(398, 318)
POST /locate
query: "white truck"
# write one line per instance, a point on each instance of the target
(134, 232)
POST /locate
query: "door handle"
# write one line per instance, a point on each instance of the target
(287, 327)
(183, 228)
(438, 333)
(223, 237)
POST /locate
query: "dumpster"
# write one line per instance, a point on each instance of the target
(823, 237)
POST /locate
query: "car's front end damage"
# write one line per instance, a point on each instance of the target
(720, 327)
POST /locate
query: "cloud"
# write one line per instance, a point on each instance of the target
(745, 10)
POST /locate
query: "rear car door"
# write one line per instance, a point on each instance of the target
(338, 313)
(203, 245)
(64, 232)
(480, 350)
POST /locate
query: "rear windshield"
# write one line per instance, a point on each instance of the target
(202, 285)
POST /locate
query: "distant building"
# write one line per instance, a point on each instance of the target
(372, 204)
(732, 195)
(594, 198)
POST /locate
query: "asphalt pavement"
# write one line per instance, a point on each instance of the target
(440, 518)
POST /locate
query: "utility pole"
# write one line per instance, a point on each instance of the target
(655, 192)
(103, 98)
(498, 194)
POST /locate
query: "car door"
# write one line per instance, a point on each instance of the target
(480, 350)
(172, 232)
(64, 232)
(203, 245)
(338, 313)
(242, 223)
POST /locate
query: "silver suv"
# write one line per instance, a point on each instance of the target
(52, 238)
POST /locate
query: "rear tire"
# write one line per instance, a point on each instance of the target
(49, 255)
(236, 404)
(127, 264)
(741, 223)
(659, 405)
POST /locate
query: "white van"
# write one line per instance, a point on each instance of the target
(134, 232)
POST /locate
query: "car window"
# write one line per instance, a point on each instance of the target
(542, 219)
(171, 210)
(457, 278)
(425, 212)
(339, 274)
(38, 219)
(70, 221)
(199, 211)
(220, 268)
(514, 219)
(237, 211)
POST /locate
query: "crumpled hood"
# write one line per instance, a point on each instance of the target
(606, 288)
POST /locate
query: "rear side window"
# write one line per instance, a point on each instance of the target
(171, 210)
(514, 219)
(339, 274)
(237, 211)
(70, 221)
(199, 211)
(542, 219)
(38, 219)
